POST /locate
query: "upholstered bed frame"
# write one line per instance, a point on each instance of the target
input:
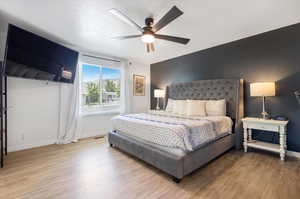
(180, 166)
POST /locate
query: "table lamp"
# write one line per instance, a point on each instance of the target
(262, 89)
(158, 93)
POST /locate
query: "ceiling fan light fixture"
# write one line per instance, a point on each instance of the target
(149, 32)
(148, 38)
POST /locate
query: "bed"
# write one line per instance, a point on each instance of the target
(160, 139)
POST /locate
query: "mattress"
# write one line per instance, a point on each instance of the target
(176, 132)
(174, 151)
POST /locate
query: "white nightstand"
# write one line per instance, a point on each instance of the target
(265, 125)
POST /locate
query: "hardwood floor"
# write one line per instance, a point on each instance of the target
(90, 169)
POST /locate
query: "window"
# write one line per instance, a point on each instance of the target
(100, 88)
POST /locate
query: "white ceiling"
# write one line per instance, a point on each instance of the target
(87, 25)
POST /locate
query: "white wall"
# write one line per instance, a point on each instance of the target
(33, 114)
(3, 34)
(140, 103)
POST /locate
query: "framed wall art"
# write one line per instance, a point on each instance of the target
(139, 85)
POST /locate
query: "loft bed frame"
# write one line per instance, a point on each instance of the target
(3, 108)
(3, 115)
(232, 90)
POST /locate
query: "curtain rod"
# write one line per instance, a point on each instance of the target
(102, 58)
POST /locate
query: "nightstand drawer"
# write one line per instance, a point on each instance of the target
(264, 127)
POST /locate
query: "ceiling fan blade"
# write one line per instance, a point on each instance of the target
(148, 47)
(173, 39)
(126, 37)
(125, 19)
(152, 47)
(168, 18)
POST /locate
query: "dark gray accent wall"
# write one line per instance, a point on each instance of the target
(271, 56)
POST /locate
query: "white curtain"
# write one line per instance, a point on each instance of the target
(126, 88)
(69, 106)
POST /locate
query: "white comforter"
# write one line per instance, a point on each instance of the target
(169, 130)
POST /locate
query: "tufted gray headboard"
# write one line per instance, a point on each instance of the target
(232, 90)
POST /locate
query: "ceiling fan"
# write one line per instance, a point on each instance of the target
(148, 33)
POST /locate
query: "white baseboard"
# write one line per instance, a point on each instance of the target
(30, 145)
(92, 134)
(48, 142)
(293, 154)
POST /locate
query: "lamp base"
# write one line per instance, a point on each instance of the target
(157, 104)
(265, 115)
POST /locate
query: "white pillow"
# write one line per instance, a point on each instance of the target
(170, 105)
(179, 107)
(196, 108)
(216, 107)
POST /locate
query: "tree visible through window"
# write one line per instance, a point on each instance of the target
(100, 86)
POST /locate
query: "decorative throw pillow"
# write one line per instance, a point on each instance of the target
(195, 108)
(170, 105)
(216, 107)
(179, 107)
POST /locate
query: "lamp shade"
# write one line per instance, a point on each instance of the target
(260, 89)
(159, 93)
